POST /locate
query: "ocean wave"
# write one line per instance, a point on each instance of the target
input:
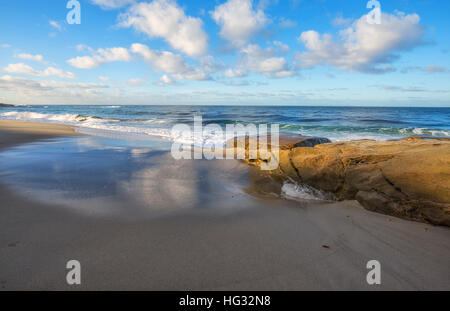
(181, 137)
(157, 125)
(64, 118)
(340, 133)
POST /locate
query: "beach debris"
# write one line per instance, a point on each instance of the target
(325, 246)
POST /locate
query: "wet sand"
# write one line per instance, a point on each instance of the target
(19, 132)
(215, 237)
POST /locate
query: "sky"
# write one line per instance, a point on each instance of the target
(226, 52)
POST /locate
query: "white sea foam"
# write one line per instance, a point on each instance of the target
(62, 118)
(105, 126)
(295, 191)
(418, 131)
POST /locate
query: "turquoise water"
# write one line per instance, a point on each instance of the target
(335, 123)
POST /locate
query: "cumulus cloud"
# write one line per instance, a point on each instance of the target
(264, 61)
(238, 21)
(22, 68)
(101, 56)
(38, 57)
(161, 61)
(363, 47)
(168, 62)
(165, 19)
(112, 4)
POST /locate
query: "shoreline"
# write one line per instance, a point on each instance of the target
(343, 170)
(243, 243)
(15, 132)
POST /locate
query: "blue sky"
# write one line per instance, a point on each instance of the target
(267, 52)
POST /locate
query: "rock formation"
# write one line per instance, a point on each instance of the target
(407, 178)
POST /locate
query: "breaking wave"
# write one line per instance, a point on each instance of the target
(145, 121)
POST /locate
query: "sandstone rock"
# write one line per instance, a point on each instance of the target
(407, 178)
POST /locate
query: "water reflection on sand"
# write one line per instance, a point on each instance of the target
(104, 176)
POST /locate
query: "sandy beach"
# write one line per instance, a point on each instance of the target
(138, 220)
(19, 132)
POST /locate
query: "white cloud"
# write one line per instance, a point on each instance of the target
(264, 61)
(5, 45)
(195, 74)
(161, 61)
(283, 74)
(84, 62)
(54, 92)
(136, 82)
(14, 83)
(101, 56)
(238, 21)
(22, 68)
(55, 25)
(165, 19)
(112, 4)
(83, 47)
(52, 71)
(165, 80)
(281, 46)
(38, 57)
(235, 73)
(168, 62)
(363, 47)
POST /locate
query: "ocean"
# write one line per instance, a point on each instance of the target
(335, 123)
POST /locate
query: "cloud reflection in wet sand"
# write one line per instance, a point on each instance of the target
(99, 176)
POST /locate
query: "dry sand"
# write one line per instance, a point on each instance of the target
(271, 245)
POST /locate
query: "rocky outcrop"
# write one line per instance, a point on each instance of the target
(407, 178)
(6, 105)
